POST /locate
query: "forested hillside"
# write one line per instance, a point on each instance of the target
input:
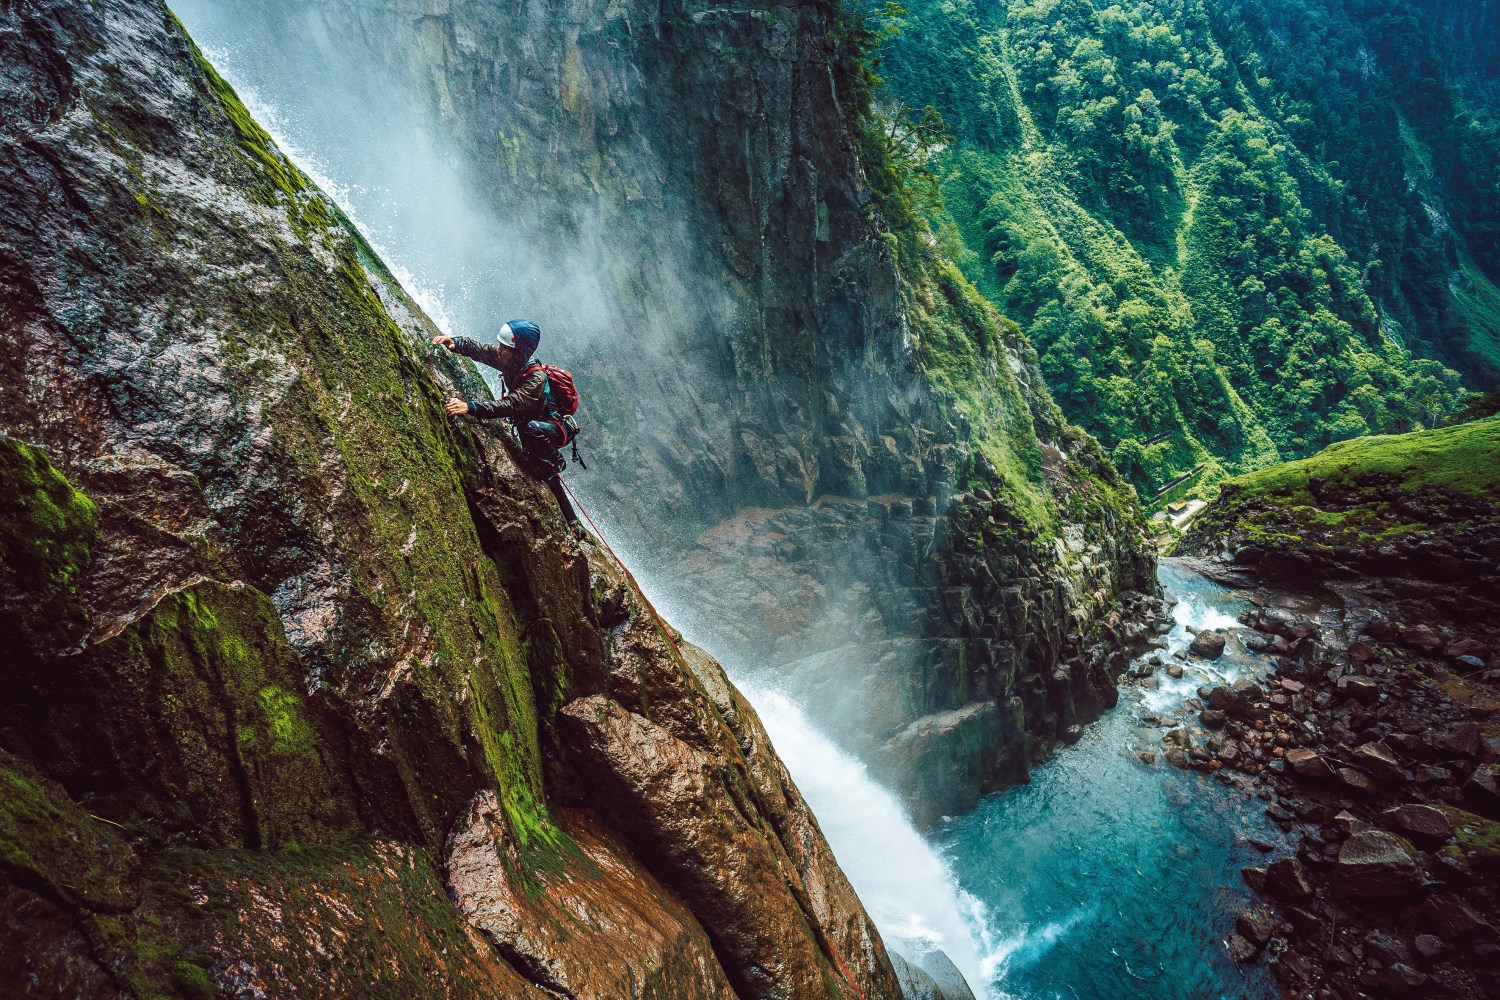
(1235, 231)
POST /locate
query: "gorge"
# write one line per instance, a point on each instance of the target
(308, 691)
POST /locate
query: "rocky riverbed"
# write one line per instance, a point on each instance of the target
(1372, 742)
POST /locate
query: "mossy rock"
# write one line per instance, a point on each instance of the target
(47, 535)
(50, 845)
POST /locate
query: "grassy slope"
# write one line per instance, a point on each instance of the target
(1362, 492)
(1464, 459)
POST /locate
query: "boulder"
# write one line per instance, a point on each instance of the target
(1372, 864)
(1461, 740)
(1271, 645)
(1212, 718)
(1466, 647)
(1356, 781)
(1274, 621)
(1429, 946)
(1397, 980)
(1380, 763)
(1208, 645)
(1449, 917)
(1422, 638)
(1304, 921)
(1240, 950)
(1309, 765)
(1248, 691)
(1388, 948)
(1489, 749)
(1287, 881)
(1481, 793)
(1349, 824)
(1256, 926)
(1361, 689)
(1426, 826)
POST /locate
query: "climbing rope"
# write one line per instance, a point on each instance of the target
(668, 633)
(852, 984)
(628, 575)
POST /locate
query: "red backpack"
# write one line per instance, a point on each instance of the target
(561, 394)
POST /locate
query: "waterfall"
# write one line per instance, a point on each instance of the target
(907, 887)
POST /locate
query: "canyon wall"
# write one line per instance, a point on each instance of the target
(305, 689)
(834, 458)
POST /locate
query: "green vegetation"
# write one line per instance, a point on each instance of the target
(47, 535)
(1220, 224)
(1364, 492)
(1477, 840)
(971, 353)
(51, 845)
(1461, 460)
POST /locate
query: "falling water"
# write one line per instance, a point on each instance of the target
(1109, 877)
(906, 887)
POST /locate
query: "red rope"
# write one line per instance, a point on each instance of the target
(667, 632)
(628, 575)
(852, 984)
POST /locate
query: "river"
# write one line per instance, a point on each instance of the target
(1104, 878)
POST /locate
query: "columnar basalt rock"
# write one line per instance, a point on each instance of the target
(680, 189)
(289, 663)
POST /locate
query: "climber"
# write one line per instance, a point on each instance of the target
(539, 400)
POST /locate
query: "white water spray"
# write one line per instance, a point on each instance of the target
(429, 299)
(1190, 615)
(906, 887)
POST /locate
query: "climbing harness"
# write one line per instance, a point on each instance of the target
(668, 633)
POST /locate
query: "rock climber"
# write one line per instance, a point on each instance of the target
(541, 410)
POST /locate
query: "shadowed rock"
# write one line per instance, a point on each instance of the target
(1373, 864)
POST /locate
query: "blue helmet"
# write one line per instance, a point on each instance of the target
(522, 334)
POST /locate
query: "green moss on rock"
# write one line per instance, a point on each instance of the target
(50, 845)
(1363, 494)
(47, 533)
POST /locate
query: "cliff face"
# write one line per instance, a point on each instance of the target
(872, 495)
(304, 691)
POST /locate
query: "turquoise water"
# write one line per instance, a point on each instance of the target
(1106, 878)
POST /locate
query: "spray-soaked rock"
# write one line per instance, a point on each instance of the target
(286, 650)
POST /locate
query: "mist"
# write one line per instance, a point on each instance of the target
(611, 277)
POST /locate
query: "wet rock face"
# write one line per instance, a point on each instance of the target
(288, 661)
(823, 494)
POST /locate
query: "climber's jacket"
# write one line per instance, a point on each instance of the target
(525, 390)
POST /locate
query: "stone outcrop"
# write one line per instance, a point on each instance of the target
(1384, 704)
(303, 689)
(874, 496)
